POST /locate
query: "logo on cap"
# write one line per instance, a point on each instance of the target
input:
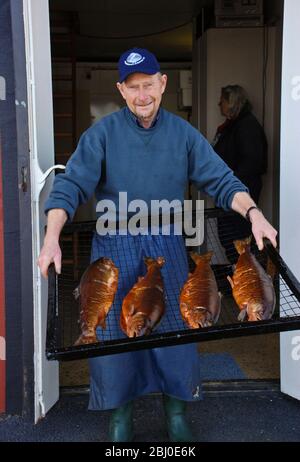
(133, 59)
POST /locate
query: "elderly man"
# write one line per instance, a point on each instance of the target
(150, 154)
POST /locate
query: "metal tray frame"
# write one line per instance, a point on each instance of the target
(238, 329)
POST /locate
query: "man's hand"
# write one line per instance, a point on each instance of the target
(262, 228)
(50, 253)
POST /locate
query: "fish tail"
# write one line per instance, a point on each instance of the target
(102, 322)
(242, 245)
(229, 279)
(159, 260)
(206, 257)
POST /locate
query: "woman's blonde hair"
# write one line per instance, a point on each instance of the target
(237, 99)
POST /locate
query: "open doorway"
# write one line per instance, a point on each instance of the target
(86, 41)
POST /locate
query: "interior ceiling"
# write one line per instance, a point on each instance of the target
(106, 28)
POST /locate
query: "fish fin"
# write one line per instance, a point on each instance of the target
(230, 281)
(242, 245)
(103, 323)
(200, 258)
(102, 320)
(123, 323)
(152, 327)
(220, 294)
(242, 314)
(131, 311)
(217, 315)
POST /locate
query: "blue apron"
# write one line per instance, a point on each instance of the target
(119, 378)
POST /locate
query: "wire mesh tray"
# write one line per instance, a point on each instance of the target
(63, 310)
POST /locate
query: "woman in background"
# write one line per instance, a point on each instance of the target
(241, 142)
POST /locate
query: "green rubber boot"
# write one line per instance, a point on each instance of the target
(121, 425)
(178, 429)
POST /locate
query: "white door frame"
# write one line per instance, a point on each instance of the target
(41, 142)
(289, 183)
(40, 115)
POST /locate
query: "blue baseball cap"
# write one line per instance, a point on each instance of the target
(137, 60)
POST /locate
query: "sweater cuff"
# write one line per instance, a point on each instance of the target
(60, 205)
(231, 196)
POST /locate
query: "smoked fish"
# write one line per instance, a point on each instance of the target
(96, 290)
(252, 287)
(200, 301)
(144, 305)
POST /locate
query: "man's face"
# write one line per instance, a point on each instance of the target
(143, 94)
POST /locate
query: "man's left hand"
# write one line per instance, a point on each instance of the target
(262, 228)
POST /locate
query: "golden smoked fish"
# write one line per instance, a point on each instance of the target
(200, 301)
(144, 305)
(252, 287)
(97, 289)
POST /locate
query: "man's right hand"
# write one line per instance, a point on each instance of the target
(50, 253)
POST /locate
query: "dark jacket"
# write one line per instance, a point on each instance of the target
(242, 144)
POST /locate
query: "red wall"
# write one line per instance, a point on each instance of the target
(2, 300)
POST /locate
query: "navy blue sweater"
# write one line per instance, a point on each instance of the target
(115, 154)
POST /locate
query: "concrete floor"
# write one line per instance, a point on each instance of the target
(256, 355)
(246, 416)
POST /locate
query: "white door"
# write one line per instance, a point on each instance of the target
(289, 183)
(40, 116)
